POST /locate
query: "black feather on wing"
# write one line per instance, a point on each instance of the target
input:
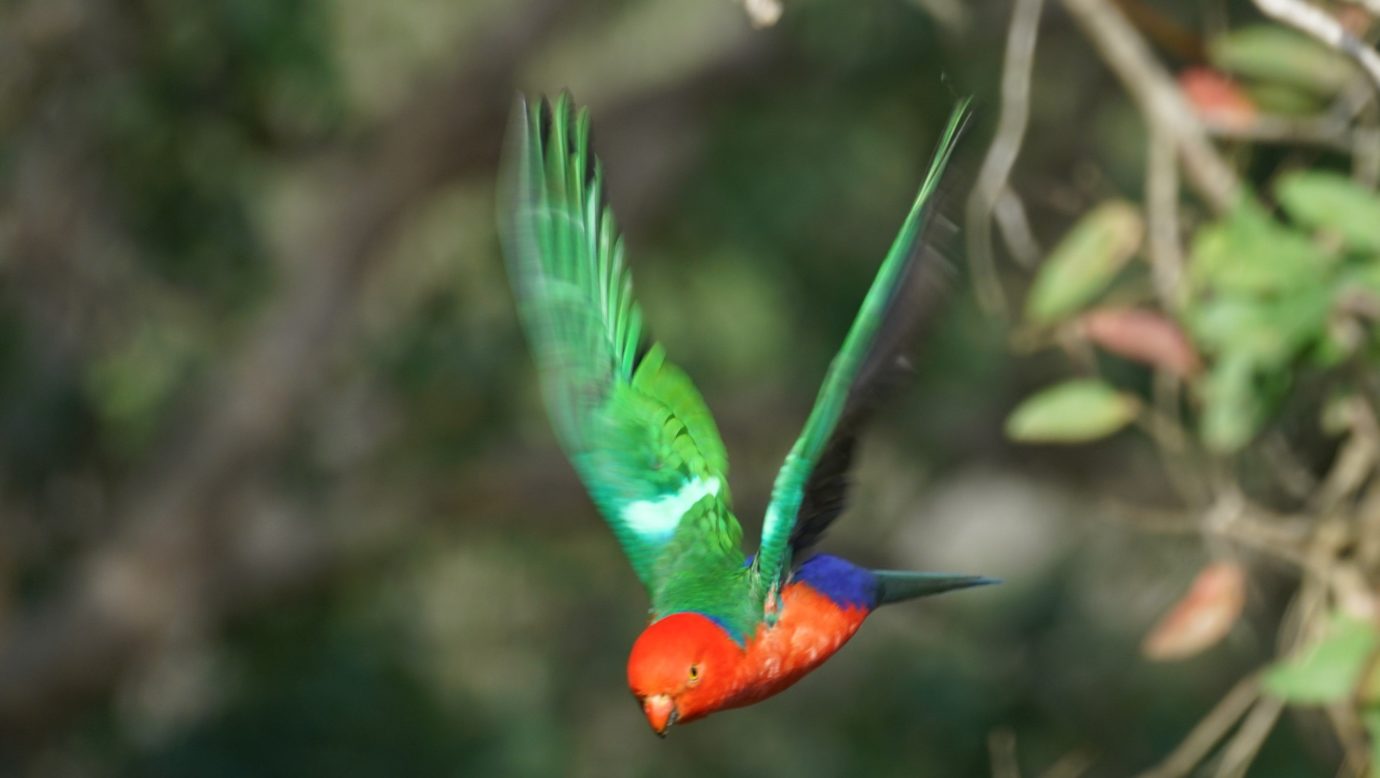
(885, 369)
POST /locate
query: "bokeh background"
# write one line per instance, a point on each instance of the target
(277, 496)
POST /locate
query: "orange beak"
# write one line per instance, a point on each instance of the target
(661, 712)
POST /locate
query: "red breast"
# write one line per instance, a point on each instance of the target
(811, 628)
(685, 666)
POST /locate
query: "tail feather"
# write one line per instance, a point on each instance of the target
(895, 586)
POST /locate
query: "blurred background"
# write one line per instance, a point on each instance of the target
(277, 496)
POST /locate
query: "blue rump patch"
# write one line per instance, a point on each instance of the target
(840, 580)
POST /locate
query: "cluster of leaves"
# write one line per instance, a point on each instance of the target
(1262, 297)
(1282, 72)
(1266, 294)
(1339, 667)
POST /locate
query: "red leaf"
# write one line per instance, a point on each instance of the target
(1202, 618)
(1217, 98)
(1142, 336)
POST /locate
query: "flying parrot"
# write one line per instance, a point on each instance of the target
(725, 629)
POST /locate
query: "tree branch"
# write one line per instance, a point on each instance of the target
(1214, 726)
(1159, 99)
(996, 168)
(1318, 24)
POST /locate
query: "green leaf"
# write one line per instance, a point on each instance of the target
(1271, 53)
(1278, 99)
(1269, 331)
(1233, 407)
(1329, 670)
(1330, 201)
(1085, 261)
(1250, 252)
(1072, 412)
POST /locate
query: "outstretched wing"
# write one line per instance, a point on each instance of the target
(810, 488)
(632, 423)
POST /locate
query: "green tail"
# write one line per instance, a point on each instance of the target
(895, 586)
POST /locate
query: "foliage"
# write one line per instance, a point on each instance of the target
(1265, 297)
(1072, 412)
(1085, 261)
(1330, 670)
(1258, 328)
(380, 564)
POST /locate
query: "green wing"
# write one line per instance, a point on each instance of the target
(632, 423)
(781, 530)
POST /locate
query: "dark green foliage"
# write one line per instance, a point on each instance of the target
(320, 691)
(211, 88)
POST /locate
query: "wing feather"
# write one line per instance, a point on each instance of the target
(810, 487)
(633, 424)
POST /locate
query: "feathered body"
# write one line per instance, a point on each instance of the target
(726, 630)
(821, 608)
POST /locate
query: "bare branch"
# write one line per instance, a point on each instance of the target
(996, 168)
(1213, 727)
(1243, 748)
(1159, 99)
(1001, 749)
(1355, 461)
(1070, 765)
(1162, 218)
(1015, 229)
(1308, 131)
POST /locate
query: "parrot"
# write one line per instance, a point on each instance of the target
(725, 629)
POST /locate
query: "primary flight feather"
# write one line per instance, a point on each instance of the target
(725, 631)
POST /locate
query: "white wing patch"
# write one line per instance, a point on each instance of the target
(771, 524)
(657, 519)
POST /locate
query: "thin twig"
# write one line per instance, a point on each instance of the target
(1365, 162)
(1323, 132)
(1368, 529)
(1233, 518)
(1242, 749)
(1001, 748)
(1159, 99)
(1351, 733)
(1355, 462)
(1162, 218)
(1279, 537)
(1070, 765)
(1164, 421)
(1015, 229)
(1211, 729)
(1285, 467)
(1001, 155)
(1320, 25)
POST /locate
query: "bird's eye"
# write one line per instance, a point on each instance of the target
(694, 674)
